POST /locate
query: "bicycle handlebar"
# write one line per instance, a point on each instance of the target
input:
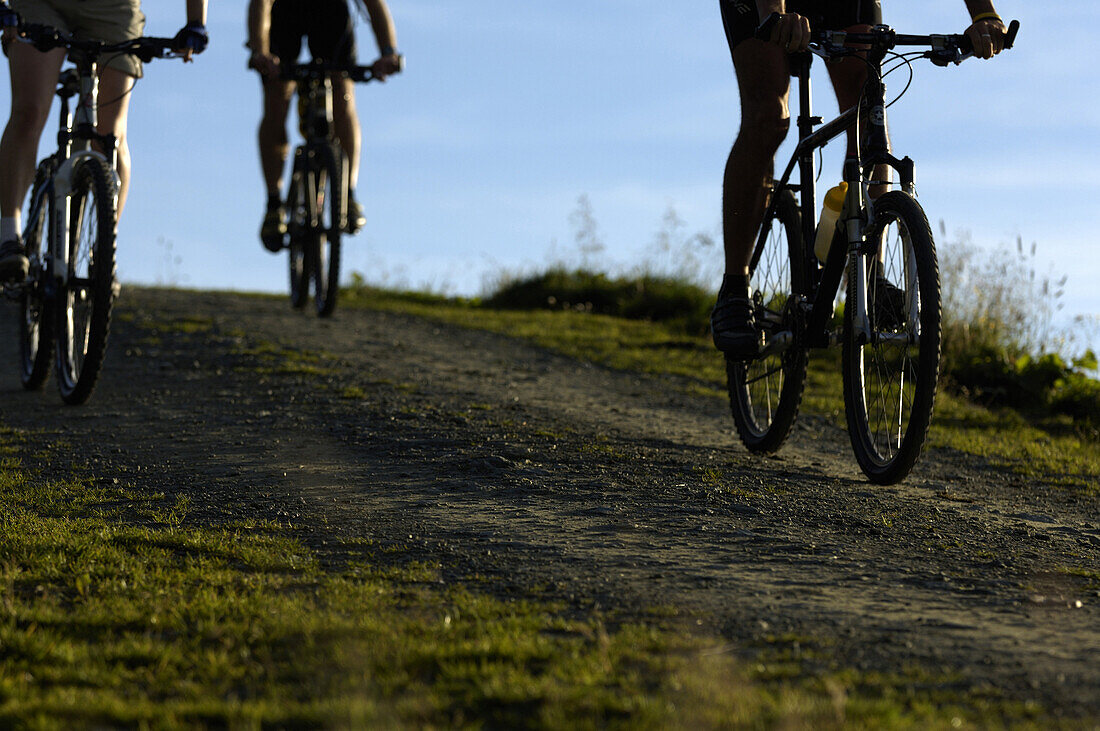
(319, 69)
(945, 49)
(146, 48)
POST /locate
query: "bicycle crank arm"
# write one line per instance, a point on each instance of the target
(778, 344)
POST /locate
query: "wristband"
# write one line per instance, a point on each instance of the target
(987, 16)
(387, 51)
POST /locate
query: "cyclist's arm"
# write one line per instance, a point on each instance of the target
(987, 32)
(196, 12)
(792, 32)
(259, 38)
(381, 22)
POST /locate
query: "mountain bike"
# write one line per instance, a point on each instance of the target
(890, 332)
(317, 197)
(71, 283)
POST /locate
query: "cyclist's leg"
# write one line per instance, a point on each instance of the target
(114, 108)
(346, 123)
(332, 36)
(848, 76)
(115, 22)
(273, 140)
(763, 74)
(33, 79)
(288, 21)
(763, 81)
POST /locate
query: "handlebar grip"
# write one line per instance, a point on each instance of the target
(1010, 37)
(764, 30)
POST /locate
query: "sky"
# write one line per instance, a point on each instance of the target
(508, 112)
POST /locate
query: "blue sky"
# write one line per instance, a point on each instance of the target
(508, 111)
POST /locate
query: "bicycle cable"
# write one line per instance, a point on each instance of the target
(902, 60)
(121, 96)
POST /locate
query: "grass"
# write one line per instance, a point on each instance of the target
(124, 608)
(1048, 449)
(116, 608)
(121, 608)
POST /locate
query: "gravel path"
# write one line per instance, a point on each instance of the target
(534, 475)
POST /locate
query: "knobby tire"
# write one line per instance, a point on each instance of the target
(765, 393)
(298, 213)
(890, 381)
(331, 202)
(83, 308)
(36, 326)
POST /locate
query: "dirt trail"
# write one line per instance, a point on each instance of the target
(554, 478)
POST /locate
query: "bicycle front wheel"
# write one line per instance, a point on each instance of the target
(765, 392)
(83, 308)
(36, 323)
(891, 366)
(298, 213)
(331, 202)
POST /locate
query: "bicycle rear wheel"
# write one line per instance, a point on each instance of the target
(36, 321)
(331, 215)
(765, 392)
(83, 311)
(890, 374)
(298, 221)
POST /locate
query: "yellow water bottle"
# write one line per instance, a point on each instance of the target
(830, 214)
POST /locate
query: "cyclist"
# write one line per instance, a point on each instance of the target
(763, 74)
(34, 78)
(275, 32)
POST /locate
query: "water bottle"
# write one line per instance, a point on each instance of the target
(830, 214)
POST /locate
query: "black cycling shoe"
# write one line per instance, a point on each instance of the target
(733, 326)
(273, 229)
(888, 304)
(13, 261)
(356, 219)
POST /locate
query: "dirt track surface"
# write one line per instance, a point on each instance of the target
(530, 474)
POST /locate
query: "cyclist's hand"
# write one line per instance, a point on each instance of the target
(988, 37)
(387, 65)
(265, 63)
(191, 39)
(791, 32)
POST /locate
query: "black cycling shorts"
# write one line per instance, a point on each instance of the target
(741, 18)
(328, 24)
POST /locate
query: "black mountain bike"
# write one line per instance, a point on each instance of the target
(71, 284)
(317, 197)
(890, 333)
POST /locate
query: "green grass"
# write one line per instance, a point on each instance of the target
(122, 608)
(1003, 436)
(118, 608)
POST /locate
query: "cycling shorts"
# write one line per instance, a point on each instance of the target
(328, 24)
(111, 21)
(741, 18)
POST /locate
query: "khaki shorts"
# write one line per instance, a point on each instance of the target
(112, 21)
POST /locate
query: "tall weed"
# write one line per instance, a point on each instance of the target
(1002, 343)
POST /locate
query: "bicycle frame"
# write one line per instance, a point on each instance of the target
(825, 281)
(75, 137)
(315, 121)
